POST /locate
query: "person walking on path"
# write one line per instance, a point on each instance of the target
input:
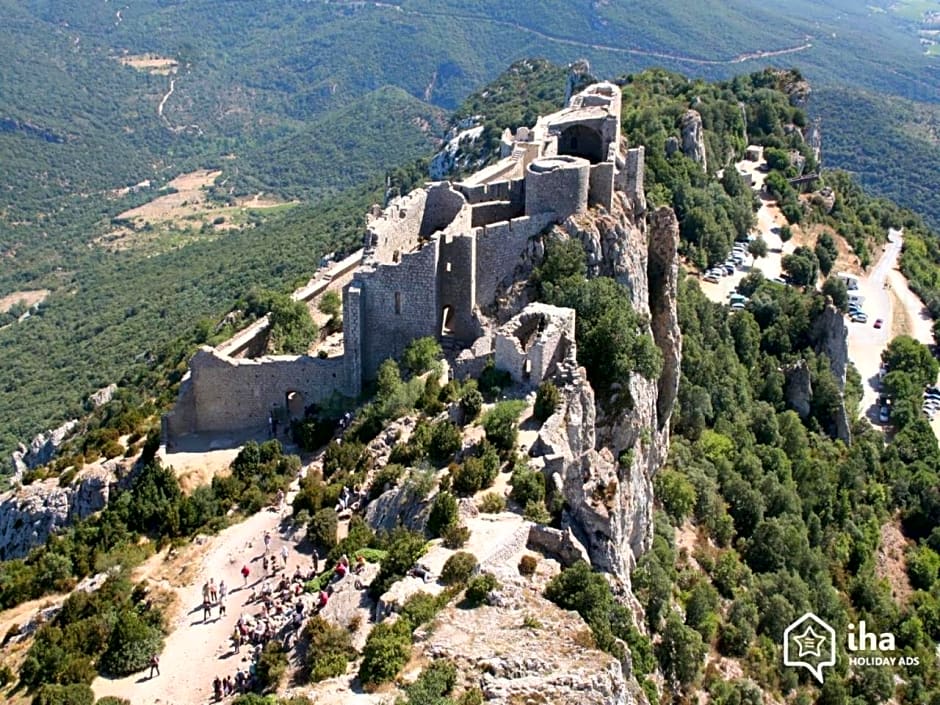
(206, 610)
(267, 542)
(223, 590)
(154, 664)
(245, 572)
(284, 553)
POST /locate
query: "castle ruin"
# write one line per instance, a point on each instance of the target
(432, 261)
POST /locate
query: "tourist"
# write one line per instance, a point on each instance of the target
(284, 554)
(360, 563)
(223, 590)
(267, 541)
(221, 607)
(245, 572)
(154, 664)
(237, 638)
(322, 599)
(340, 570)
(206, 610)
(213, 591)
(217, 688)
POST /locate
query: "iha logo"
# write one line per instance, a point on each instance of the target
(810, 643)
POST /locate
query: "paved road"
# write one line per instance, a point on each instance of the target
(865, 341)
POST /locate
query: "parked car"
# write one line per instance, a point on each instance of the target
(778, 280)
(729, 268)
(738, 306)
(733, 297)
(878, 323)
(859, 318)
(883, 414)
(711, 277)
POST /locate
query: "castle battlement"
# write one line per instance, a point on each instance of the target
(432, 259)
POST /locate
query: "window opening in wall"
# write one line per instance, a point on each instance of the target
(448, 266)
(527, 369)
(398, 303)
(396, 256)
(445, 321)
(294, 401)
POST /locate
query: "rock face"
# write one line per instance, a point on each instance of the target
(29, 514)
(813, 138)
(799, 391)
(831, 338)
(605, 464)
(512, 664)
(102, 396)
(693, 137)
(41, 449)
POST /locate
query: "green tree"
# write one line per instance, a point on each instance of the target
(676, 493)
(835, 289)
(331, 304)
(757, 247)
(421, 354)
(802, 266)
(443, 514)
(681, 654)
(905, 354)
(500, 424)
(547, 400)
(291, 330)
(131, 645)
(386, 651)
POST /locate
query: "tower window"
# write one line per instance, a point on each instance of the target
(398, 303)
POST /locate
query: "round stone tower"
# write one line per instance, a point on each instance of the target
(558, 184)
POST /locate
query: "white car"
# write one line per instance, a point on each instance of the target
(859, 317)
(711, 277)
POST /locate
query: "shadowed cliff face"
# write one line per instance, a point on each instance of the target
(604, 462)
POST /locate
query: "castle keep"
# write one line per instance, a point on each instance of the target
(432, 260)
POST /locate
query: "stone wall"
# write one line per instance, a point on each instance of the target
(557, 185)
(225, 394)
(399, 304)
(532, 343)
(456, 281)
(397, 229)
(507, 190)
(601, 190)
(499, 250)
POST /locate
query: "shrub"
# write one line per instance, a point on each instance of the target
(358, 536)
(433, 685)
(527, 565)
(537, 512)
(547, 400)
(322, 528)
(347, 457)
(479, 587)
(385, 653)
(404, 547)
(420, 354)
(130, 646)
(329, 650)
(493, 381)
(421, 607)
(445, 441)
(331, 304)
(443, 514)
(455, 536)
(473, 696)
(472, 476)
(500, 424)
(458, 568)
(387, 477)
(111, 700)
(492, 503)
(471, 403)
(74, 694)
(527, 486)
(272, 664)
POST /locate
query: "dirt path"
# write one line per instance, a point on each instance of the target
(197, 651)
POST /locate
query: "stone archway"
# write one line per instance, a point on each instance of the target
(295, 404)
(582, 141)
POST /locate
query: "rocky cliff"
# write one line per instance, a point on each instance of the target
(693, 137)
(604, 463)
(29, 514)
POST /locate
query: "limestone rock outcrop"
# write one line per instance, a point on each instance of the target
(605, 462)
(693, 137)
(41, 449)
(799, 389)
(513, 663)
(831, 338)
(29, 514)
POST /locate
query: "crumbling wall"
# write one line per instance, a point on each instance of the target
(230, 395)
(445, 210)
(499, 250)
(532, 343)
(456, 281)
(397, 230)
(399, 304)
